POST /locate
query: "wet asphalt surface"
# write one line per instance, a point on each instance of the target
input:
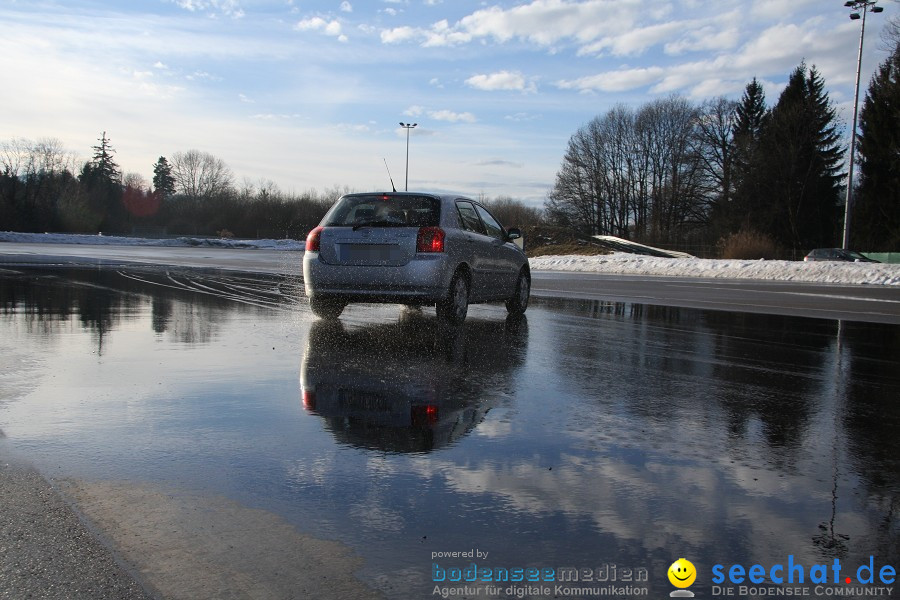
(591, 434)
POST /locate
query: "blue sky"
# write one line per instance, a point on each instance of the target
(310, 94)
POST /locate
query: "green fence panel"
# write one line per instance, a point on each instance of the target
(885, 257)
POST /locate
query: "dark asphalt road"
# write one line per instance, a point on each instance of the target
(868, 303)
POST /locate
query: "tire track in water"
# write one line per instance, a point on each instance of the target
(244, 290)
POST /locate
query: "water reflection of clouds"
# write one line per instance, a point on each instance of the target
(653, 507)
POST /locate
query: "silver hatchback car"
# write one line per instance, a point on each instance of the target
(415, 249)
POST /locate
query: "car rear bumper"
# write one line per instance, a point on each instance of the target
(423, 280)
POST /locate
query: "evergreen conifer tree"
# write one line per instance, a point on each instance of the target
(751, 112)
(750, 116)
(102, 180)
(798, 167)
(163, 180)
(875, 222)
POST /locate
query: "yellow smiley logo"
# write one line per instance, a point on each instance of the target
(682, 573)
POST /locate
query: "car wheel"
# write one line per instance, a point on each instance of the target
(519, 301)
(455, 306)
(326, 308)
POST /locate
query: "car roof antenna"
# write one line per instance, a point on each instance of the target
(389, 175)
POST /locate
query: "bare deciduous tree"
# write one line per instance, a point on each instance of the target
(514, 213)
(714, 146)
(135, 181)
(22, 157)
(632, 173)
(200, 175)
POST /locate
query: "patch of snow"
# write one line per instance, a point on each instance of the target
(775, 270)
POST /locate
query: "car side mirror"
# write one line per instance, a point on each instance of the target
(514, 235)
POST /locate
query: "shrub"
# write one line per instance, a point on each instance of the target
(748, 245)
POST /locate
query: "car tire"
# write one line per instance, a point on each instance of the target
(517, 304)
(325, 308)
(454, 307)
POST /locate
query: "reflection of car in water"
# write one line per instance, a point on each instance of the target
(410, 386)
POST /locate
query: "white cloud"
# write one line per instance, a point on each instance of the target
(332, 27)
(310, 24)
(520, 117)
(499, 162)
(202, 76)
(414, 111)
(779, 9)
(452, 117)
(727, 61)
(354, 128)
(229, 8)
(703, 39)
(244, 98)
(346, 7)
(502, 80)
(543, 22)
(398, 34)
(634, 41)
(546, 22)
(615, 81)
(274, 117)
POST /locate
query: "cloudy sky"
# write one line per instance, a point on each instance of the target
(309, 94)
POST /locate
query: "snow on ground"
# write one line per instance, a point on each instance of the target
(775, 270)
(618, 263)
(113, 240)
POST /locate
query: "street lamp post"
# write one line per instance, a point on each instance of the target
(407, 127)
(857, 6)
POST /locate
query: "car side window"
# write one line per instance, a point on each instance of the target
(469, 218)
(494, 229)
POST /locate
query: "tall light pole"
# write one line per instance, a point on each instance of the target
(407, 127)
(863, 6)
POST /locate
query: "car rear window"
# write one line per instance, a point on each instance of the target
(387, 210)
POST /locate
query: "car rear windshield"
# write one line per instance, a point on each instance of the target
(384, 210)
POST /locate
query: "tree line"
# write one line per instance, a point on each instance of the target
(677, 173)
(44, 189)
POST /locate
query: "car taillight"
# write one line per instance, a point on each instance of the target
(313, 239)
(424, 415)
(429, 239)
